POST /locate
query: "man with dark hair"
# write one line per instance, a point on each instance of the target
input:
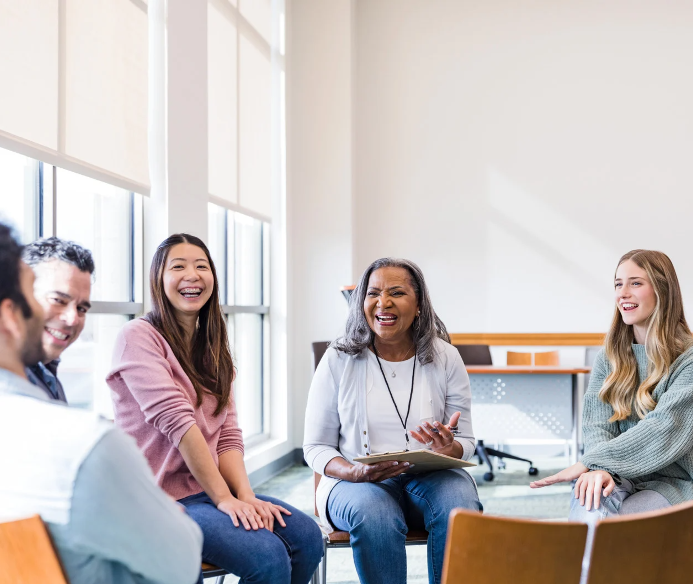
(87, 480)
(63, 286)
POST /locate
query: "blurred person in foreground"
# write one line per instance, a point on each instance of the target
(109, 521)
(63, 272)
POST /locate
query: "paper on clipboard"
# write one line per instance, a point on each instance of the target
(423, 460)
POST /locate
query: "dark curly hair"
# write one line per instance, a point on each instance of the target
(51, 248)
(10, 259)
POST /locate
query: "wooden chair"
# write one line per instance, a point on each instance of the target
(499, 550)
(27, 555)
(340, 539)
(519, 358)
(210, 571)
(550, 358)
(540, 359)
(647, 548)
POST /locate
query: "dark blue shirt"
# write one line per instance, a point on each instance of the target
(46, 377)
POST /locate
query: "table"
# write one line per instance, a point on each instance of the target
(528, 404)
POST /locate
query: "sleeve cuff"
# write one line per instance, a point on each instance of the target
(176, 435)
(319, 462)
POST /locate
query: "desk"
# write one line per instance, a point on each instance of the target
(533, 405)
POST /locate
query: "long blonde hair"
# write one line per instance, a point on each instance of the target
(667, 337)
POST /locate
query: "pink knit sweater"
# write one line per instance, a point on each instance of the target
(154, 402)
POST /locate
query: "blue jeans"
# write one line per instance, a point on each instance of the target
(378, 515)
(289, 555)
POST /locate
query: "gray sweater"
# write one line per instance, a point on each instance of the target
(656, 452)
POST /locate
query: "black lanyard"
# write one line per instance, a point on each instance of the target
(411, 393)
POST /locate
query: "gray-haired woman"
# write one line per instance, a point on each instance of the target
(392, 382)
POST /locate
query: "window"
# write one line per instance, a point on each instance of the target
(239, 246)
(246, 178)
(42, 200)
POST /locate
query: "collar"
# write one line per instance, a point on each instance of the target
(14, 384)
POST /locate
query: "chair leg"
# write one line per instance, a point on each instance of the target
(323, 564)
(482, 453)
(501, 454)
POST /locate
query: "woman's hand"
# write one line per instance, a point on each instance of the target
(591, 485)
(241, 511)
(565, 476)
(374, 473)
(439, 437)
(267, 511)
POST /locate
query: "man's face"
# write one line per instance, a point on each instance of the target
(63, 291)
(31, 346)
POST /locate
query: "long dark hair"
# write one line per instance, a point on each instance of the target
(426, 328)
(208, 365)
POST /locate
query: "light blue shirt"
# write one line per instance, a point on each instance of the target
(122, 528)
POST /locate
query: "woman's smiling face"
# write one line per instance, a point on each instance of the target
(390, 304)
(188, 279)
(635, 296)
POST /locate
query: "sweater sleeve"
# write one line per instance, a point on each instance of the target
(140, 361)
(230, 436)
(596, 428)
(321, 438)
(662, 437)
(458, 398)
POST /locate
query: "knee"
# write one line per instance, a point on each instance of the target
(270, 567)
(312, 542)
(378, 521)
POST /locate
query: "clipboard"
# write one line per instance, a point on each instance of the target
(423, 460)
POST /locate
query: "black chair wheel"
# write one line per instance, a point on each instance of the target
(533, 471)
(488, 476)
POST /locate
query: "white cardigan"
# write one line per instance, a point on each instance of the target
(336, 421)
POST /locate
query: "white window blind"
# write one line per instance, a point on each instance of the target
(244, 66)
(77, 74)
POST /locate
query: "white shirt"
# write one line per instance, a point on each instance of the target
(387, 434)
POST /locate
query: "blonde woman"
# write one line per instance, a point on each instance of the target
(638, 410)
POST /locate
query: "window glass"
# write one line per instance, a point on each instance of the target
(247, 349)
(19, 193)
(99, 217)
(248, 260)
(85, 364)
(216, 242)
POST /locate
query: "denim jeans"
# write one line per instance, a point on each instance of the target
(289, 555)
(377, 516)
(623, 500)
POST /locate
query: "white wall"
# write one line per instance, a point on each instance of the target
(515, 150)
(319, 224)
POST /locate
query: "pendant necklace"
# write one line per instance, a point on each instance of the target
(411, 393)
(392, 370)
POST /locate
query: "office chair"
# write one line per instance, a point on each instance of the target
(481, 355)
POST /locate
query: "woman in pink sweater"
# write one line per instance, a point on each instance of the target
(172, 389)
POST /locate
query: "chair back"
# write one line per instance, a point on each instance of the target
(27, 555)
(647, 548)
(519, 358)
(475, 354)
(319, 349)
(499, 550)
(547, 358)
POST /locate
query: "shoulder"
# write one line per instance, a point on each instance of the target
(683, 365)
(601, 363)
(447, 354)
(139, 332)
